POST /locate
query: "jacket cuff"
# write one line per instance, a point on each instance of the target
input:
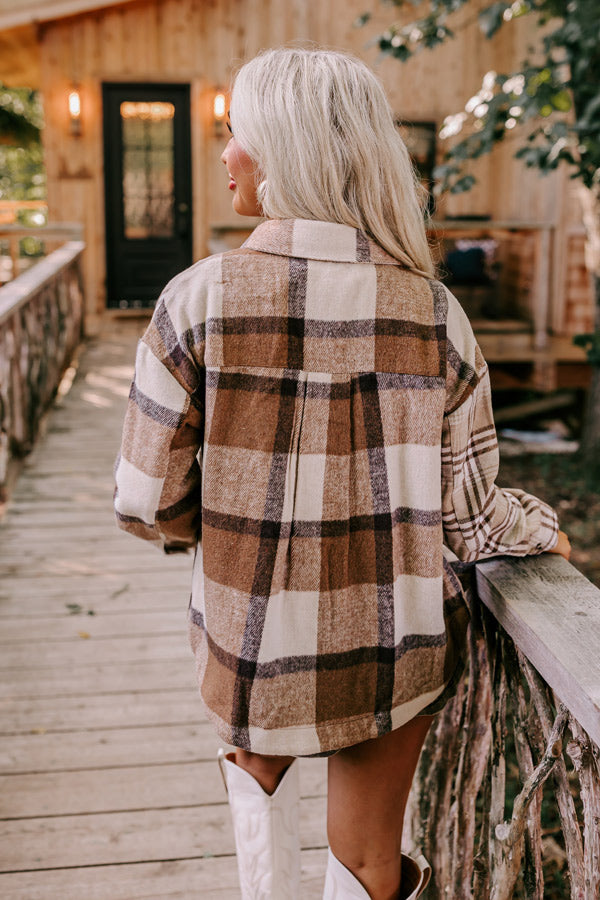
(546, 535)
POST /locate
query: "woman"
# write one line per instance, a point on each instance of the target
(314, 407)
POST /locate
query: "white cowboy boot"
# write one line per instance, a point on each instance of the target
(266, 832)
(415, 876)
(341, 884)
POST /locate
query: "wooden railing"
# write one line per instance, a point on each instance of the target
(40, 326)
(10, 210)
(522, 730)
(50, 237)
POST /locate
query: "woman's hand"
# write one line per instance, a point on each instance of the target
(562, 545)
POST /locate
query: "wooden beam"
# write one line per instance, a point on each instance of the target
(534, 407)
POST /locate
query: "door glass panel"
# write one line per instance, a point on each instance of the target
(148, 201)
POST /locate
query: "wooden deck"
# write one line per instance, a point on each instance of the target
(109, 787)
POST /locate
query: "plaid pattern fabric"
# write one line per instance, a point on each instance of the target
(316, 421)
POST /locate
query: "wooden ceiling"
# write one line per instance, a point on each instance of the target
(20, 57)
(19, 44)
(29, 11)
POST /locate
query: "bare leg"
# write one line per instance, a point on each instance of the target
(267, 770)
(368, 786)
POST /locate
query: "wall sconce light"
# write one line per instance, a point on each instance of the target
(75, 111)
(219, 112)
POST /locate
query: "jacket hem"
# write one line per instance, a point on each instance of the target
(324, 739)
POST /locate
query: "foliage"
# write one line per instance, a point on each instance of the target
(591, 344)
(22, 174)
(20, 117)
(554, 98)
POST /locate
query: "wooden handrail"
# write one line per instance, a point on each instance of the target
(18, 292)
(552, 613)
(52, 231)
(18, 205)
(9, 209)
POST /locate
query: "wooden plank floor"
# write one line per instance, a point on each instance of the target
(108, 782)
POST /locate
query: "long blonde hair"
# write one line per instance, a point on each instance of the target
(321, 132)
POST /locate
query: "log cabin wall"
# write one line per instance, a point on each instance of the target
(201, 42)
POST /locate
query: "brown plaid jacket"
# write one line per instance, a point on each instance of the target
(317, 421)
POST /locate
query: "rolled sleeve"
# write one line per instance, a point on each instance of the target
(479, 518)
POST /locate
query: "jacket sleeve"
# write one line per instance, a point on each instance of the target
(479, 518)
(157, 472)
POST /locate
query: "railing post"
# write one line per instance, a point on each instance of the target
(14, 244)
(586, 760)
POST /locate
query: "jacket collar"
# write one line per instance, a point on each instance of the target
(308, 239)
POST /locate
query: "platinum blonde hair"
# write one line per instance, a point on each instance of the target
(320, 130)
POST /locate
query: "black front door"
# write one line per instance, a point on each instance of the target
(147, 177)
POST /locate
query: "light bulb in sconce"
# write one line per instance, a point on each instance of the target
(219, 110)
(75, 111)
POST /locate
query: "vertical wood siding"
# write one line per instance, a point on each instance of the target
(202, 42)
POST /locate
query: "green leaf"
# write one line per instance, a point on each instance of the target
(491, 19)
(402, 52)
(463, 184)
(591, 344)
(561, 101)
(461, 151)
(591, 111)
(582, 340)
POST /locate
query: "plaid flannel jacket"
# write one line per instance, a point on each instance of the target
(316, 421)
